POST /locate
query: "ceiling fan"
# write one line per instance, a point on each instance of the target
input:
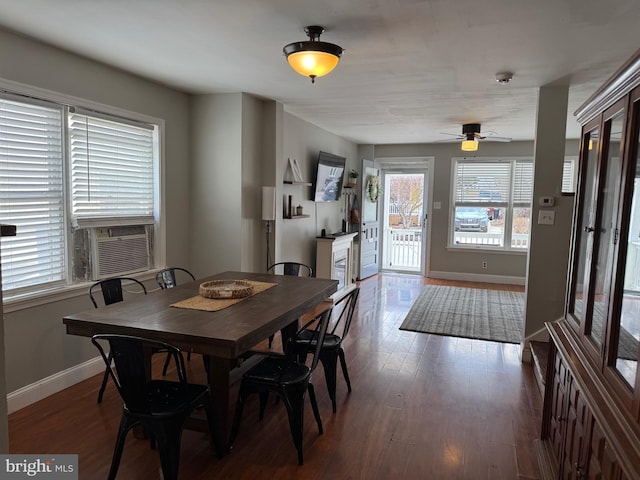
(471, 135)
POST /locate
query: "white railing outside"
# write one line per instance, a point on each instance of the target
(519, 241)
(402, 249)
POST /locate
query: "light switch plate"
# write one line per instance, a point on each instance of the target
(546, 217)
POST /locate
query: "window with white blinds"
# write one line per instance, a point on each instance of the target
(68, 179)
(32, 193)
(111, 169)
(491, 205)
(569, 175)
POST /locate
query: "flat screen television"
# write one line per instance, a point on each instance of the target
(327, 186)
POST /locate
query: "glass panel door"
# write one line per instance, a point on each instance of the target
(629, 333)
(600, 281)
(404, 213)
(584, 232)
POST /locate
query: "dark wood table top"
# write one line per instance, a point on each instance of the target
(227, 333)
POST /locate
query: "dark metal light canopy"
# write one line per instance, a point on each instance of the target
(313, 58)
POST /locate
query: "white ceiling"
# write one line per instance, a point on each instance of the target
(412, 69)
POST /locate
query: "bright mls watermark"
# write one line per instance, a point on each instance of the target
(52, 467)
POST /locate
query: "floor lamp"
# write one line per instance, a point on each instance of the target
(268, 215)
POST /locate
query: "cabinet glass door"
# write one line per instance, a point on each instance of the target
(606, 227)
(584, 233)
(629, 334)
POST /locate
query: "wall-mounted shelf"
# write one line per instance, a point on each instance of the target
(295, 217)
(290, 182)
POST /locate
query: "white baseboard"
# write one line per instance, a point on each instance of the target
(48, 386)
(475, 277)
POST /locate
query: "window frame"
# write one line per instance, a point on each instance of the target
(41, 294)
(509, 206)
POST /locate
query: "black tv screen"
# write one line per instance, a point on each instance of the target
(327, 186)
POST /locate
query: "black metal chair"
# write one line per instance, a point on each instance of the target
(293, 269)
(166, 278)
(160, 406)
(112, 292)
(289, 380)
(306, 341)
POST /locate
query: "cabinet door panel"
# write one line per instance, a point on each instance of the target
(574, 465)
(586, 218)
(602, 461)
(629, 333)
(605, 225)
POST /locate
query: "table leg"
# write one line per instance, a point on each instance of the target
(219, 369)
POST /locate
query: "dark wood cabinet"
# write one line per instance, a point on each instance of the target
(591, 418)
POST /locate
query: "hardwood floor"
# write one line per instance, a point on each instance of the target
(422, 406)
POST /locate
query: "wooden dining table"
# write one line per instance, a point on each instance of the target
(224, 337)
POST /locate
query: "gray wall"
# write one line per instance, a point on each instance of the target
(36, 343)
(303, 141)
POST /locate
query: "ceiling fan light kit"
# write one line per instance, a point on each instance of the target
(313, 58)
(470, 145)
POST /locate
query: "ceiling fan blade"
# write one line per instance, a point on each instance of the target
(457, 135)
(496, 139)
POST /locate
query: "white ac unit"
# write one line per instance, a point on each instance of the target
(119, 251)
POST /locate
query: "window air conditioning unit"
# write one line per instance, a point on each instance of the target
(119, 251)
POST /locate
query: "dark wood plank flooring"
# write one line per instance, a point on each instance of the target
(422, 406)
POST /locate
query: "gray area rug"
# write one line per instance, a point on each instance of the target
(468, 312)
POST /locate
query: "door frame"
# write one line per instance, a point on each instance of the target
(425, 165)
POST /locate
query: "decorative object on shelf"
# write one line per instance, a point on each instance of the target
(225, 289)
(353, 179)
(293, 173)
(268, 214)
(299, 210)
(374, 188)
(313, 58)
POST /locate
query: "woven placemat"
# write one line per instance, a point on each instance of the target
(215, 304)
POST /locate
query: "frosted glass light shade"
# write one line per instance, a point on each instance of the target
(469, 145)
(313, 63)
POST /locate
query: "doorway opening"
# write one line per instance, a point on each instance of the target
(404, 220)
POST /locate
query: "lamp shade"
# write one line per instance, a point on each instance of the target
(313, 58)
(469, 145)
(268, 203)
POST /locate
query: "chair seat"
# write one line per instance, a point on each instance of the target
(168, 398)
(308, 339)
(277, 370)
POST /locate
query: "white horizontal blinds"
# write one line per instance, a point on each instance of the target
(522, 183)
(31, 193)
(111, 168)
(569, 176)
(482, 182)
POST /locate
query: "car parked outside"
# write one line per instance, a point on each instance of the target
(471, 219)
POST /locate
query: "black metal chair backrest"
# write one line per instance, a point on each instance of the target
(112, 289)
(348, 304)
(130, 355)
(294, 269)
(321, 326)
(167, 278)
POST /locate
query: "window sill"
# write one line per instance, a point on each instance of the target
(57, 294)
(486, 249)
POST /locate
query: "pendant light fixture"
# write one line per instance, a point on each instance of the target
(313, 58)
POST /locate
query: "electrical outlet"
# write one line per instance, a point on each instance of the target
(484, 264)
